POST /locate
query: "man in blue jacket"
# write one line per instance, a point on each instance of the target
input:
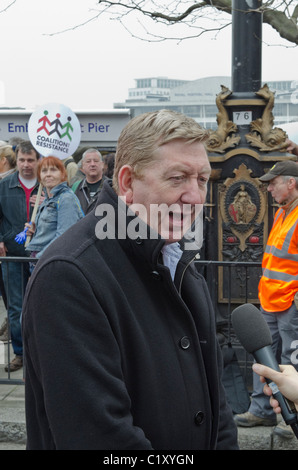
(119, 329)
(15, 210)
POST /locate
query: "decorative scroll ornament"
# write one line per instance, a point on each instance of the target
(262, 135)
(224, 137)
(242, 207)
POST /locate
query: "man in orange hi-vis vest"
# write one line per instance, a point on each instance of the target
(277, 289)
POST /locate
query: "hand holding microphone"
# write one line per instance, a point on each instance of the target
(286, 380)
(254, 335)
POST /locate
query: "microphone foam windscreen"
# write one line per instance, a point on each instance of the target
(251, 328)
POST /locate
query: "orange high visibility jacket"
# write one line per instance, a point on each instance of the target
(279, 281)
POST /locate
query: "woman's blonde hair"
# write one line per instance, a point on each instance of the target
(7, 152)
(142, 136)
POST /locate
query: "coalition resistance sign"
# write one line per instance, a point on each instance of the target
(54, 130)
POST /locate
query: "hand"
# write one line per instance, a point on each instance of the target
(292, 147)
(286, 380)
(3, 249)
(31, 227)
(33, 199)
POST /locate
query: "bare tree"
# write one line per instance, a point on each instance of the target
(200, 16)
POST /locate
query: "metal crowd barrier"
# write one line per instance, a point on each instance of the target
(6, 351)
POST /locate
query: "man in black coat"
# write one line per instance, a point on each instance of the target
(16, 206)
(119, 329)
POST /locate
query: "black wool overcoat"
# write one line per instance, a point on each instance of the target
(118, 356)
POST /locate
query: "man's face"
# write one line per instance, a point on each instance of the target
(279, 189)
(92, 166)
(176, 179)
(27, 164)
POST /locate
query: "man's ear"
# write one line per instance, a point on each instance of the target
(292, 183)
(125, 179)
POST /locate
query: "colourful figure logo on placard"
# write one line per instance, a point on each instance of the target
(68, 128)
(55, 126)
(54, 130)
(45, 120)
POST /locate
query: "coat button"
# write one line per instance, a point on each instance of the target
(156, 275)
(184, 342)
(199, 418)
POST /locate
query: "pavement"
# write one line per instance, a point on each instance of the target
(13, 423)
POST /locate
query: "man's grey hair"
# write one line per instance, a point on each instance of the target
(286, 178)
(91, 150)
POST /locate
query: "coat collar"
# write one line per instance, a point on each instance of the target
(14, 180)
(121, 223)
(145, 243)
(290, 206)
(57, 189)
(84, 183)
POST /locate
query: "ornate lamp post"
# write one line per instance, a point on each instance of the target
(244, 145)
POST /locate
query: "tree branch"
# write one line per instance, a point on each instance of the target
(8, 6)
(286, 27)
(276, 13)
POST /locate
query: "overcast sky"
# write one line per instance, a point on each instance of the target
(93, 66)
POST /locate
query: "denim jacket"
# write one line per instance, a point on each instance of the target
(55, 215)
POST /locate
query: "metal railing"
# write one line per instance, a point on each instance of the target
(223, 275)
(6, 351)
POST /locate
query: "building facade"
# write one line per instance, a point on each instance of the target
(196, 98)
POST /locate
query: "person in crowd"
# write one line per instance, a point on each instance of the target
(59, 210)
(130, 359)
(7, 166)
(109, 163)
(77, 156)
(15, 210)
(88, 188)
(278, 286)
(15, 141)
(71, 168)
(78, 176)
(7, 161)
(286, 380)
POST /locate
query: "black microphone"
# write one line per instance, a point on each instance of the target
(253, 333)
